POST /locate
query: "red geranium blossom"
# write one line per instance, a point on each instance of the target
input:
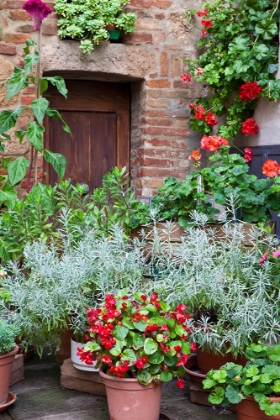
(250, 126)
(271, 168)
(212, 143)
(211, 119)
(249, 91)
(186, 77)
(207, 23)
(202, 13)
(203, 33)
(247, 154)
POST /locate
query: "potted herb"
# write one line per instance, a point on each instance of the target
(139, 342)
(8, 349)
(88, 22)
(254, 388)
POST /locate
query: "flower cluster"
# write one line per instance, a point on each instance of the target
(249, 91)
(38, 10)
(140, 337)
(249, 126)
(201, 114)
(271, 168)
(212, 143)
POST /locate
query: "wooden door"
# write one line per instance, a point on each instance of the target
(98, 114)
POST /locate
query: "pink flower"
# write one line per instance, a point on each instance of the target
(263, 258)
(38, 10)
(276, 254)
(186, 77)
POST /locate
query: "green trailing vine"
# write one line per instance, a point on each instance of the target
(238, 60)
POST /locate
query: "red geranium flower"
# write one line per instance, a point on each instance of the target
(196, 155)
(249, 126)
(206, 23)
(186, 77)
(271, 168)
(211, 119)
(212, 143)
(249, 91)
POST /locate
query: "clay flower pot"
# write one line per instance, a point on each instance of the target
(249, 409)
(6, 361)
(129, 400)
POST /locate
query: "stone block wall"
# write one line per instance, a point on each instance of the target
(151, 59)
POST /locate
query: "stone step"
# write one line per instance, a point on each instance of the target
(79, 380)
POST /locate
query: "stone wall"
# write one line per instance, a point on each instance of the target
(150, 58)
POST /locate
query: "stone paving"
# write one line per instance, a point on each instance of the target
(40, 397)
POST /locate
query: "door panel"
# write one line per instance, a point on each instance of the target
(99, 117)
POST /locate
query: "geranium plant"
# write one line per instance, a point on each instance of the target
(139, 337)
(260, 377)
(225, 182)
(238, 61)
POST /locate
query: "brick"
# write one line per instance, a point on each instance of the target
(14, 4)
(156, 163)
(154, 113)
(19, 15)
(3, 171)
(156, 142)
(161, 4)
(157, 153)
(164, 64)
(155, 172)
(157, 103)
(27, 99)
(159, 37)
(49, 29)
(148, 25)
(7, 49)
(26, 29)
(180, 144)
(165, 131)
(180, 84)
(160, 16)
(15, 38)
(139, 38)
(163, 122)
(153, 75)
(158, 83)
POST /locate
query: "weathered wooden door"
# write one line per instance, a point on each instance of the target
(98, 114)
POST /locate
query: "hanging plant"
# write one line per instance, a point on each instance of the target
(238, 61)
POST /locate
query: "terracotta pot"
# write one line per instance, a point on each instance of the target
(249, 409)
(207, 360)
(129, 400)
(6, 361)
(77, 362)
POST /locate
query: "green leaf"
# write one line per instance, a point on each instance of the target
(39, 107)
(57, 160)
(138, 340)
(92, 346)
(117, 349)
(217, 396)
(129, 354)
(233, 395)
(120, 332)
(150, 346)
(17, 170)
(57, 116)
(17, 81)
(8, 194)
(180, 330)
(59, 83)
(8, 119)
(156, 358)
(140, 326)
(34, 134)
(208, 383)
(166, 376)
(144, 377)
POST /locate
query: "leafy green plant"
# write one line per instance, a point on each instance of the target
(238, 60)
(260, 377)
(39, 107)
(8, 333)
(225, 180)
(138, 336)
(87, 21)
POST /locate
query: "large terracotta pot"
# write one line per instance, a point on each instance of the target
(249, 409)
(6, 361)
(129, 400)
(207, 360)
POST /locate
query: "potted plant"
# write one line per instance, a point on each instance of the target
(8, 349)
(139, 342)
(88, 22)
(254, 388)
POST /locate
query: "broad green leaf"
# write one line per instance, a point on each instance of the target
(276, 386)
(117, 349)
(57, 116)
(8, 119)
(8, 195)
(156, 358)
(165, 376)
(16, 82)
(20, 135)
(233, 395)
(30, 60)
(127, 323)
(180, 330)
(217, 396)
(150, 346)
(17, 170)
(120, 332)
(208, 383)
(43, 85)
(34, 133)
(129, 354)
(92, 346)
(57, 160)
(59, 83)
(220, 376)
(140, 326)
(144, 377)
(39, 107)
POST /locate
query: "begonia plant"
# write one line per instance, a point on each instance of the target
(139, 337)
